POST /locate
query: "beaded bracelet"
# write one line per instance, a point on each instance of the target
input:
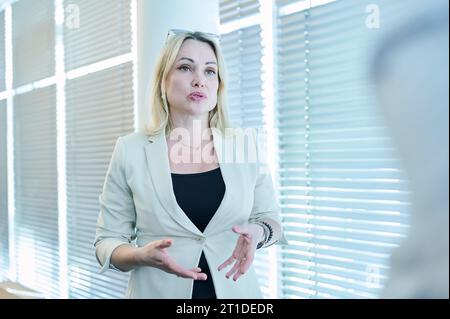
(268, 233)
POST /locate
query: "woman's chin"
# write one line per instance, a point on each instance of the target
(198, 111)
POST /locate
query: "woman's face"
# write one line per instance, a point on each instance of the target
(192, 83)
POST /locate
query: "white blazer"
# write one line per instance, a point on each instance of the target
(138, 205)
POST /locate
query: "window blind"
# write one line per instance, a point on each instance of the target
(232, 10)
(243, 51)
(104, 31)
(33, 35)
(36, 194)
(344, 195)
(2, 51)
(4, 239)
(99, 108)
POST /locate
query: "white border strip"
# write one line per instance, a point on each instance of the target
(267, 36)
(10, 144)
(134, 50)
(61, 149)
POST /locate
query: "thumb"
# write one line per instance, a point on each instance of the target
(240, 229)
(164, 243)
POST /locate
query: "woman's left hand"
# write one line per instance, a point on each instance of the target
(244, 252)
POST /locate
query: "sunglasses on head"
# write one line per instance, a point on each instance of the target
(173, 32)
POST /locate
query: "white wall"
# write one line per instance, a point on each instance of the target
(155, 18)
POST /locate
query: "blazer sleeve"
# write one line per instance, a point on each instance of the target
(117, 218)
(265, 202)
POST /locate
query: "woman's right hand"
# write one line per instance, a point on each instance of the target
(155, 254)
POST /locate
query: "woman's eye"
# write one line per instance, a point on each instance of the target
(210, 72)
(184, 68)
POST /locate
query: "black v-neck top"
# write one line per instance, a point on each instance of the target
(199, 195)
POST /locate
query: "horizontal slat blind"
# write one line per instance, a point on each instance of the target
(36, 194)
(4, 239)
(99, 108)
(33, 34)
(104, 31)
(344, 196)
(242, 49)
(237, 9)
(242, 53)
(2, 51)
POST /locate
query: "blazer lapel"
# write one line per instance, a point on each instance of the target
(221, 216)
(156, 152)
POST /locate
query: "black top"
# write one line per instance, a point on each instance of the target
(199, 195)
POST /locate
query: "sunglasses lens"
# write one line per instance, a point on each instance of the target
(173, 32)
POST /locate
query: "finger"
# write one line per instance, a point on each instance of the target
(242, 260)
(243, 230)
(237, 250)
(237, 255)
(239, 271)
(198, 276)
(186, 273)
(198, 269)
(233, 270)
(244, 265)
(227, 262)
(237, 275)
(164, 243)
(202, 276)
(169, 265)
(193, 275)
(234, 256)
(247, 262)
(240, 229)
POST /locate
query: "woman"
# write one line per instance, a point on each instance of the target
(196, 217)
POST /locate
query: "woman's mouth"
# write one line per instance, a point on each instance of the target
(196, 96)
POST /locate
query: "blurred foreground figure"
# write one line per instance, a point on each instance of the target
(412, 71)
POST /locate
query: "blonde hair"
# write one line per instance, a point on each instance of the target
(160, 114)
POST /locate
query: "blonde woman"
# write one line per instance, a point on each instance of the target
(178, 212)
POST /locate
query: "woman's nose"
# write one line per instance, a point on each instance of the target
(199, 84)
(198, 81)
